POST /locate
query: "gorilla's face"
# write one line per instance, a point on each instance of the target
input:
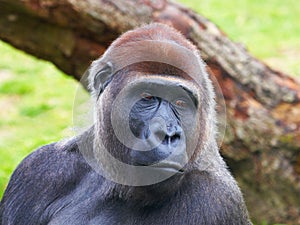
(160, 118)
(153, 131)
(154, 118)
(148, 125)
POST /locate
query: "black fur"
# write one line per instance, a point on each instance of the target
(54, 185)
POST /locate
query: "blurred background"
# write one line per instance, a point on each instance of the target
(36, 99)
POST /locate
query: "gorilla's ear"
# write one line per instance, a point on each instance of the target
(102, 78)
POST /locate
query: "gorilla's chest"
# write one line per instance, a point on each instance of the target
(197, 202)
(95, 214)
(85, 206)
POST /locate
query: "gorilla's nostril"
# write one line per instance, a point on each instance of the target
(175, 138)
(166, 140)
(171, 140)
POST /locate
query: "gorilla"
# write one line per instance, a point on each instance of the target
(150, 156)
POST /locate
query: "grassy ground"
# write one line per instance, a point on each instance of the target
(36, 99)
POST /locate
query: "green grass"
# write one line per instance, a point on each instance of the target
(36, 99)
(35, 107)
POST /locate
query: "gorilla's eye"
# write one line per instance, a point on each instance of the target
(181, 103)
(147, 96)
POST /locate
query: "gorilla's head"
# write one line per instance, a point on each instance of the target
(154, 111)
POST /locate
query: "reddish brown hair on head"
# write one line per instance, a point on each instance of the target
(156, 32)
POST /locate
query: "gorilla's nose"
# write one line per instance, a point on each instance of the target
(171, 135)
(168, 142)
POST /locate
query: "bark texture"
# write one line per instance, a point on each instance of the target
(262, 141)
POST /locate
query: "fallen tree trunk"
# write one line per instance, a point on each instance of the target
(262, 141)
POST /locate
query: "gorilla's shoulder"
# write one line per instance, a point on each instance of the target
(48, 173)
(56, 160)
(53, 168)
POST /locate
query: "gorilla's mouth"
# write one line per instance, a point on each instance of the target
(169, 166)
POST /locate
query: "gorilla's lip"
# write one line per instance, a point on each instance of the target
(170, 166)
